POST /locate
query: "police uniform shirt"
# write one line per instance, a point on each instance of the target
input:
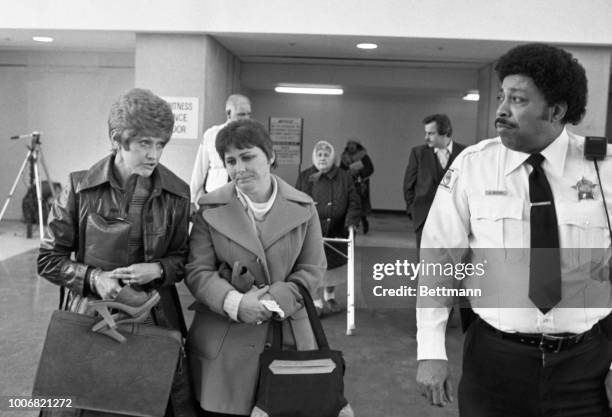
(483, 202)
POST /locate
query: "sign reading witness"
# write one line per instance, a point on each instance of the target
(185, 110)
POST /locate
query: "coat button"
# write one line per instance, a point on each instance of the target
(328, 220)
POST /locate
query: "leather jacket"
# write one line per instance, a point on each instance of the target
(165, 222)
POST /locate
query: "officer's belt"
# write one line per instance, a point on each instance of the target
(549, 343)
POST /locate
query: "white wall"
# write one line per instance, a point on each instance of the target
(69, 104)
(387, 125)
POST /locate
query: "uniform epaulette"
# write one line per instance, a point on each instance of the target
(483, 144)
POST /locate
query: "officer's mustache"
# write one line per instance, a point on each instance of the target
(504, 122)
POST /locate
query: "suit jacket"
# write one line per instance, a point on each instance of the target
(423, 174)
(224, 354)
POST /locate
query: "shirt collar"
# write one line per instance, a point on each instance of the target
(449, 147)
(554, 154)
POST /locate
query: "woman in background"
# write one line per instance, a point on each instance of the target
(355, 159)
(339, 207)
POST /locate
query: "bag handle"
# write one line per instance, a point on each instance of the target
(313, 318)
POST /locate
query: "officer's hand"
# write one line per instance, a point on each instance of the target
(608, 384)
(434, 382)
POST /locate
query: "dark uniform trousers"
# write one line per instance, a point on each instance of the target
(505, 378)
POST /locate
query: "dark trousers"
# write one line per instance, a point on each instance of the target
(504, 378)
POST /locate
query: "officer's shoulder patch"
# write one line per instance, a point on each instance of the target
(449, 179)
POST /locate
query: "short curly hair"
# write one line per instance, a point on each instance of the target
(139, 113)
(555, 72)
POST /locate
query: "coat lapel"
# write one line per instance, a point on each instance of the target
(286, 216)
(232, 220)
(288, 212)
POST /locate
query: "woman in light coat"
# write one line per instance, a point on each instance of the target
(249, 239)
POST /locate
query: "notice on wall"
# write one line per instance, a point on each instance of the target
(286, 135)
(186, 111)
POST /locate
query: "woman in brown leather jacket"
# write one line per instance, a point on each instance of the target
(126, 218)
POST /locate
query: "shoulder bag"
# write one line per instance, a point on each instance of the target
(301, 383)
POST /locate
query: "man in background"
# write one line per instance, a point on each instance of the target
(427, 166)
(208, 171)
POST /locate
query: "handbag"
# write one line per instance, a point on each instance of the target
(301, 383)
(100, 374)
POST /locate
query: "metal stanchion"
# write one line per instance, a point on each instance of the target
(350, 277)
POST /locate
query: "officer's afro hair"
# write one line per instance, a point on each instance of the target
(555, 72)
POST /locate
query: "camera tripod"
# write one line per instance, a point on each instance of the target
(33, 156)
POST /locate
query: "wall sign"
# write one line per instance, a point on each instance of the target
(186, 111)
(286, 134)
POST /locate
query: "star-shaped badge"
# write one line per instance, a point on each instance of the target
(585, 189)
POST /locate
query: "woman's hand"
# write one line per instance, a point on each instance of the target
(138, 274)
(105, 286)
(251, 310)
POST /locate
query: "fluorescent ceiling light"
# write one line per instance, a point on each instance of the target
(367, 46)
(471, 95)
(42, 39)
(335, 91)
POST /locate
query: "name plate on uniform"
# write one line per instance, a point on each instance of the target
(496, 192)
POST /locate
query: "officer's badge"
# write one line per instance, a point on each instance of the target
(449, 179)
(585, 189)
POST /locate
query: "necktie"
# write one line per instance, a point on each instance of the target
(545, 259)
(443, 157)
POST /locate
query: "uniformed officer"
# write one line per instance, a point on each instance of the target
(537, 344)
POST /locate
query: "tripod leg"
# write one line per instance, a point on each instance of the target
(44, 165)
(19, 174)
(39, 200)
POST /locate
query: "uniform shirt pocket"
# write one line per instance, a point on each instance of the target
(583, 231)
(497, 221)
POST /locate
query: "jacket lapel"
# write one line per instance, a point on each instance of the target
(433, 165)
(286, 216)
(232, 220)
(286, 213)
(456, 151)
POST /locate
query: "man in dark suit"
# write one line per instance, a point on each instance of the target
(426, 167)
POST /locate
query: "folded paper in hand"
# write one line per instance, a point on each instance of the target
(273, 306)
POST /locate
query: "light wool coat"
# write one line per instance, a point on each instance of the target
(224, 354)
